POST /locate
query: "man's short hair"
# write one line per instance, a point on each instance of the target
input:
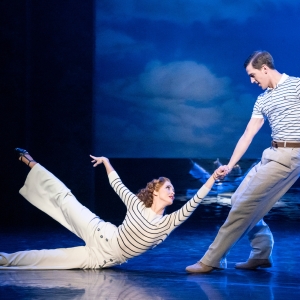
(259, 58)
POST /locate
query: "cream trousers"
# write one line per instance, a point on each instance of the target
(49, 194)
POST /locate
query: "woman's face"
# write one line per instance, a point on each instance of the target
(166, 193)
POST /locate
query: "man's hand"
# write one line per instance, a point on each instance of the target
(227, 169)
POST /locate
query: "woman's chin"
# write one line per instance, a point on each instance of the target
(170, 202)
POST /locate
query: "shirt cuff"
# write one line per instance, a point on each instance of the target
(203, 191)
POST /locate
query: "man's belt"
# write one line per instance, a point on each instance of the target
(275, 144)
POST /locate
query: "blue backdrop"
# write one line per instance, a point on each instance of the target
(169, 77)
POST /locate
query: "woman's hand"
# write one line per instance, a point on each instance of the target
(99, 160)
(220, 173)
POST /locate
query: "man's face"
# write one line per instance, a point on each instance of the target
(258, 76)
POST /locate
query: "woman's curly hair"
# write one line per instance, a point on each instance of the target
(146, 194)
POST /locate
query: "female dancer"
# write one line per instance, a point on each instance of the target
(144, 227)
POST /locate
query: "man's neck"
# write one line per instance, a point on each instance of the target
(275, 77)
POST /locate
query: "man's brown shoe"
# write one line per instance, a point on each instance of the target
(199, 267)
(252, 264)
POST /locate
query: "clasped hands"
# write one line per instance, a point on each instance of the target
(221, 172)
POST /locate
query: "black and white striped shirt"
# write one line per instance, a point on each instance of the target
(142, 229)
(281, 106)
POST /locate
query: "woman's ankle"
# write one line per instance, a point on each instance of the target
(32, 164)
(26, 158)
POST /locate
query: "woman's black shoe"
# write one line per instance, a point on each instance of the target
(22, 153)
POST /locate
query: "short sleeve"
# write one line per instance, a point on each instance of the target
(257, 111)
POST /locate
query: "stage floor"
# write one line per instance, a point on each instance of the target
(159, 273)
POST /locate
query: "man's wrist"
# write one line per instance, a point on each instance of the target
(228, 168)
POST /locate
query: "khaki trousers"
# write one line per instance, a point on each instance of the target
(263, 186)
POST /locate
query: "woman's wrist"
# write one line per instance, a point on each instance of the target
(215, 176)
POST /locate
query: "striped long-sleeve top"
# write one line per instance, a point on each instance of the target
(142, 228)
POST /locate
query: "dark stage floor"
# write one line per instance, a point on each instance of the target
(158, 274)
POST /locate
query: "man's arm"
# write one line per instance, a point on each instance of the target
(244, 142)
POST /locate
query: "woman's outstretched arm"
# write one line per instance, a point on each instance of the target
(124, 193)
(99, 160)
(182, 214)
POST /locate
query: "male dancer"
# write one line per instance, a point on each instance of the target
(270, 179)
